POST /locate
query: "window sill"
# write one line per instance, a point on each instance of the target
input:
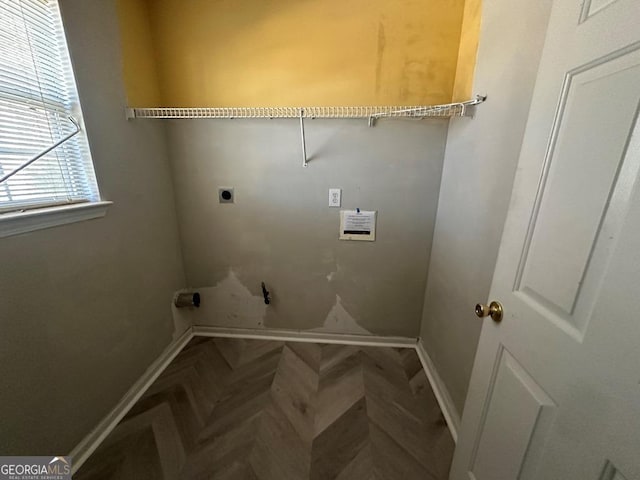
(31, 220)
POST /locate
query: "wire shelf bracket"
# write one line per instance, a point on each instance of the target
(372, 114)
(459, 109)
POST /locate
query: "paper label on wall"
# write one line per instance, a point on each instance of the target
(357, 225)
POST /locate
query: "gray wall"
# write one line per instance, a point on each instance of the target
(86, 307)
(479, 167)
(282, 231)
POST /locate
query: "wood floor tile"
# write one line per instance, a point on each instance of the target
(339, 444)
(339, 388)
(236, 409)
(361, 467)
(391, 461)
(294, 391)
(278, 450)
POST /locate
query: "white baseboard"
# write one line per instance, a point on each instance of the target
(447, 406)
(92, 441)
(305, 336)
(440, 391)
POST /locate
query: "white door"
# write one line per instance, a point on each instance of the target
(555, 389)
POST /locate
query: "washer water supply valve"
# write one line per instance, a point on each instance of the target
(187, 299)
(265, 294)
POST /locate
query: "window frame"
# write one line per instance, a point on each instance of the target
(26, 217)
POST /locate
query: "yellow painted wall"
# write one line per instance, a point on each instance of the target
(463, 86)
(292, 52)
(138, 54)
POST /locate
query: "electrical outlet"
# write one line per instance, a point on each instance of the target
(335, 197)
(225, 194)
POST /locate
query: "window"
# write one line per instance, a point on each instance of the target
(39, 108)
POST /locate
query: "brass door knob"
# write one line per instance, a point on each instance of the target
(493, 310)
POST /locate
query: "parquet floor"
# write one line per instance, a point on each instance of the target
(255, 409)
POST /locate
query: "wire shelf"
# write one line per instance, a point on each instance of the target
(460, 109)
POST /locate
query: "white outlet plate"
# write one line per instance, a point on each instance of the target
(335, 197)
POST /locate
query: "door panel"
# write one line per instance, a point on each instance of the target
(591, 7)
(577, 184)
(518, 413)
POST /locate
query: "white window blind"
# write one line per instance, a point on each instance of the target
(37, 95)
